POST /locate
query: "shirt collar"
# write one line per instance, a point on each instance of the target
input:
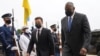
(39, 28)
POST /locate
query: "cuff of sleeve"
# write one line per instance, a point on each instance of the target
(86, 47)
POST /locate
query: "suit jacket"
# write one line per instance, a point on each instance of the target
(79, 35)
(6, 38)
(44, 45)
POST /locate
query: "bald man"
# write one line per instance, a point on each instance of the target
(76, 32)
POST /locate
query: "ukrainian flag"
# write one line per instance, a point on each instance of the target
(27, 11)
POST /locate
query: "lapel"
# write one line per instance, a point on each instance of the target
(42, 32)
(34, 37)
(40, 35)
(65, 23)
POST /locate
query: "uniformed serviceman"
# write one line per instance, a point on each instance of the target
(56, 39)
(6, 36)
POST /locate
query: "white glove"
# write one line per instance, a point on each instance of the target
(15, 37)
(14, 48)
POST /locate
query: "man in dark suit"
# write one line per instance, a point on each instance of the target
(43, 40)
(56, 39)
(6, 36)
(76, 32)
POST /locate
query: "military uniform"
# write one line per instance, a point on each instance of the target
(56, 40)
(6, 38)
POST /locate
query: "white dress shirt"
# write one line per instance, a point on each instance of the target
(40, 30)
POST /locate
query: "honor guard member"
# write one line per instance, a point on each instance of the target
(56, 39)
(6, 36)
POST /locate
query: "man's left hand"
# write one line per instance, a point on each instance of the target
(51, 55)
(83, 51)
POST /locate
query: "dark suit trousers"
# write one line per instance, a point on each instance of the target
(38, 53)
(42, 53)
(68, 52)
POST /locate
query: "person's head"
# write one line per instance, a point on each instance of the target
(25, 29)
(7, 18)
(53, 27)
(38, 22)
(69, 8)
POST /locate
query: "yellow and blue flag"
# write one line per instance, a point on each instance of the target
(27, 11)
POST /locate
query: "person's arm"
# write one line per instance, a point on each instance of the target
(62, 34)
(51, 43)
(86, 35)
(62, 37)
(86, 32)
(3, 40)
(31, 43)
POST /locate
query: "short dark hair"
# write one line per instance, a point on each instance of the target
(39, 18)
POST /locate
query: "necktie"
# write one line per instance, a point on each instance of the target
(69, 23)
(38, 34)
